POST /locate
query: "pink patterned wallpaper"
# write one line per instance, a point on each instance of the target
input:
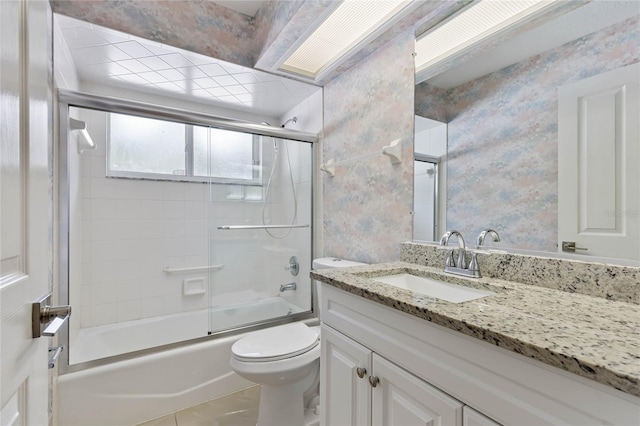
(367, 205)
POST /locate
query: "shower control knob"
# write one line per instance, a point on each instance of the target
(293, 266)
(361, 372)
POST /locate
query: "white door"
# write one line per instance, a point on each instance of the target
(345, 396)
(25, 207)
(598, 157)
(402, 399)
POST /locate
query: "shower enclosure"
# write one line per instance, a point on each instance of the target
(177, 226)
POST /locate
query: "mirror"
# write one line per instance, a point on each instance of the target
(502, 114)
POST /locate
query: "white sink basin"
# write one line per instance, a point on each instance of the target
(433, 288)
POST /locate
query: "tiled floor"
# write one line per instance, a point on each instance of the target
(236, 409)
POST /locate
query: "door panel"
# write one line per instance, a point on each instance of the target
(471, 417)
(402, 399)
(346, 398)
(598, 156)
(26, 206)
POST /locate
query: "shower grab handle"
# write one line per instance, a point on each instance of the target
(230, 228)
(168, 271)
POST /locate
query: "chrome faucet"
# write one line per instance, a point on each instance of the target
(460, 267)
(288, 287)
(474, 268)
(483, 235)
(462, 260)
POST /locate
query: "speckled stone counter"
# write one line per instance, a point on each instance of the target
(611, 282)
(589, 336)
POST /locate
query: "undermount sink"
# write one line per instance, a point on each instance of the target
(434, 288)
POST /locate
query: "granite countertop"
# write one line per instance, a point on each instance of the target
(589, 336)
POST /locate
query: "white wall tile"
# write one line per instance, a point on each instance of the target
(174, 209)
(195, 209)
(135, 228)
(103, 208)
(151, 209)
(128, 310)
(102, 314)
(174, 190)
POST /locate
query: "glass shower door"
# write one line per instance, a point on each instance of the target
(259, 231)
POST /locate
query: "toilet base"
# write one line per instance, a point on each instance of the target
(280, 406)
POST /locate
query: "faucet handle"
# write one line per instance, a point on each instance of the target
(450, 261)
(474, 268)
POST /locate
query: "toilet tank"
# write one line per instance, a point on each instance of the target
(332, 262)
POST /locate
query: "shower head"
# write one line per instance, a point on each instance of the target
(291, 120)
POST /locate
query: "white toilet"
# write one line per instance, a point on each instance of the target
(285, 361)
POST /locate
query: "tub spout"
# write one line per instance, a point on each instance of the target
(288, 287)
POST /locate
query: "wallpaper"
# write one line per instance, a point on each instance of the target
(502, 165)
(279, 24)
(197, 25)
(367, 205)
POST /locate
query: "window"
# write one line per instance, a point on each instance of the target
(148, 148)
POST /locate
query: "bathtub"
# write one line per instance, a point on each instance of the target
(115, 339)
(142, 388)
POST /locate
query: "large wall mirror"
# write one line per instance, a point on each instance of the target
(543, 139)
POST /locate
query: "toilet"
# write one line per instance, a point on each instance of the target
(285, 361)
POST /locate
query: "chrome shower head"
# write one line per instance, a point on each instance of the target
(293, 120)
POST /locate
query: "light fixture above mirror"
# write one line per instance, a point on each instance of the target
(477, 22)
(352, 23)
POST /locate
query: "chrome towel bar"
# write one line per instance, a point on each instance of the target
(229, 228)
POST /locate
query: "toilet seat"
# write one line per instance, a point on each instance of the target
(275, 343)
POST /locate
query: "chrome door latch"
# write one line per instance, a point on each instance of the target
(47, 320)
(570, 247)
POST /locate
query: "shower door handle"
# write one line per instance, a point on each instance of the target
(47, 320)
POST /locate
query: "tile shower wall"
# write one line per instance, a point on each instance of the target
(132, 229)
(367, 204)
(503, 137)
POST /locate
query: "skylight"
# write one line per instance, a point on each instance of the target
(477, 22)
(349, 24)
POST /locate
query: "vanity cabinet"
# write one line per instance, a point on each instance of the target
(362, 388)
(429, 373)
(471, 417)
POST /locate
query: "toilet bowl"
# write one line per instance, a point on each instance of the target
(285, 361)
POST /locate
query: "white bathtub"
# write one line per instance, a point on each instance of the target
(114, 339)
(132, 391)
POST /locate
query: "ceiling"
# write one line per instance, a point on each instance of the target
(111, 58)
(248, 7)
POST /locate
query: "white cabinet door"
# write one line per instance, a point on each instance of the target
(402, 399)
(25, 207)
(345, 397)
(471, 417)
(599, 152)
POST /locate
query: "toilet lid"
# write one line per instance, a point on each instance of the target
(275, 343)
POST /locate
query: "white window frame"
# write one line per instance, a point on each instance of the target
(189, 159)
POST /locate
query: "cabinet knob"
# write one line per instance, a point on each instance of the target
(361, 372)
(373, 381)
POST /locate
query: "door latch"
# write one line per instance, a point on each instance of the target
(570, 246)
(47, 320)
